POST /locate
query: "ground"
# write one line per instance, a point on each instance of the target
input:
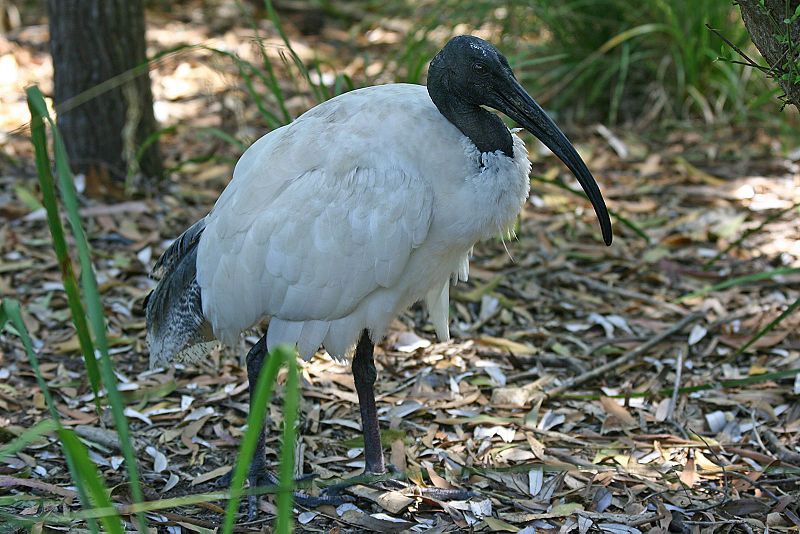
(586, 388)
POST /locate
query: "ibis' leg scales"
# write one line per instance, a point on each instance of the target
(365, 374)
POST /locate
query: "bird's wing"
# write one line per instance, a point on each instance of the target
(312, 249)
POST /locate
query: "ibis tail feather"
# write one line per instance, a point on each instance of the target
(179, 249)
(176, 327)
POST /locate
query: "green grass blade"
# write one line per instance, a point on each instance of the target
(11, 313)
(291, 403)
(270, 78)
(38, 111)
(93, 303)
(223, 135)
(148, 141)
(88, 514)
(736, 244)
(732, 282)
(255, 421)
(729, 383)
(42, 428)
(786, 313)
(629, 34)
(319, 94)
(92, 480)
(248, 71)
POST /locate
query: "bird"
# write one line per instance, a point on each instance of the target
(334, 224)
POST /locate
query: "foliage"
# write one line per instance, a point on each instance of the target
(88, 318)
(93, 340)
(633, 58)
(612, 60)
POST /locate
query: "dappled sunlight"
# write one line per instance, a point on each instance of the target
(646, 386)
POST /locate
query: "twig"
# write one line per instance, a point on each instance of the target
(785, 455)
(755, 483)
(674, 400)
(173, 519)
(756, 433)
(725, 486)
(625, 358)
(624, 519)
(615, 341)
(738, 50)
(38, 485)
(627, 293)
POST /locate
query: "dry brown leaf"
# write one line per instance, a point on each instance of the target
(436, 480)
(211, 475)
(689, 474)
(618, 418)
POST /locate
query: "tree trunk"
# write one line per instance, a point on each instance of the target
(768, 31)
(96, 41)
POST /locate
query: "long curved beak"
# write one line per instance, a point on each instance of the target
(515, 102)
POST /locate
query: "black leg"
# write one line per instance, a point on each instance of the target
(258, 475)
(255, 361)
(255, 475)
(365, 374)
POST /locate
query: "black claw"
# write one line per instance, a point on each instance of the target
(263, 478)
(224, 481)
(311, 501)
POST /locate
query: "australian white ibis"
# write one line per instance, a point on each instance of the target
(336, 223)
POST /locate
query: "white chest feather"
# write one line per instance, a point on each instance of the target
(499, 189)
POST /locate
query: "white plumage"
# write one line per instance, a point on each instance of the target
(334, 224)
(345, 217)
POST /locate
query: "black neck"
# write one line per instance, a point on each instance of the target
(485, 129)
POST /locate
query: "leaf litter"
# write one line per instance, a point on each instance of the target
(508, 409)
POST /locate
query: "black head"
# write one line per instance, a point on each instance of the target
(469, 73)
(470, 68)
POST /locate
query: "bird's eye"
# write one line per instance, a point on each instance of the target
(480, 68)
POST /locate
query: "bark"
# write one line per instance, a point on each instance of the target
(94, 41)
(763, 24)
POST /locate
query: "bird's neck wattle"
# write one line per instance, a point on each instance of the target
(485, 129)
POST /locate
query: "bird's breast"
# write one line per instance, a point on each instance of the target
(485, 199)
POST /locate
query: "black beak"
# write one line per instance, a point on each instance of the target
(515, 102)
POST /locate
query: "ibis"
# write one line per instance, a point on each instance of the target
(336, 223)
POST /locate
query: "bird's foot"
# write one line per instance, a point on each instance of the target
(262, 480)
(394, 480)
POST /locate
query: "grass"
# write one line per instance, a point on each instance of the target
(738, 281)
(94, 340)
(255, 420)
(621, 54)
(99, 513)
(608, 60)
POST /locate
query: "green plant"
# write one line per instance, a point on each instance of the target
(255, 420)
(91, 332)
(82, 470)
(632, 58)
(89, 321)
(609, 60)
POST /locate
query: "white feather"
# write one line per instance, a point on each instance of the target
(342, 219)
(438, 303)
